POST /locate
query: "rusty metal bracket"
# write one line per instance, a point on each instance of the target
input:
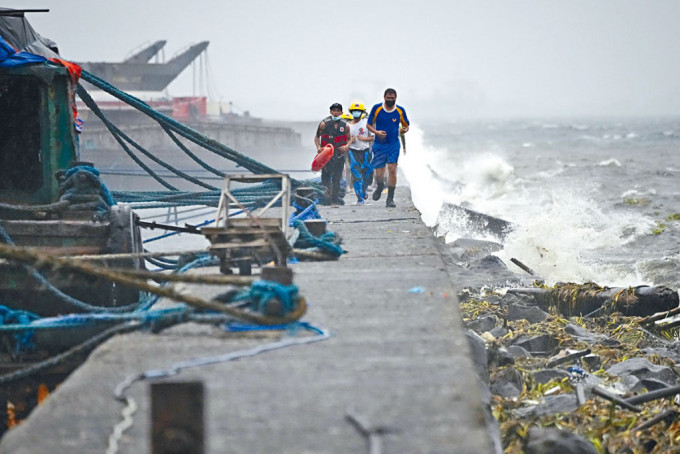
(177, 416)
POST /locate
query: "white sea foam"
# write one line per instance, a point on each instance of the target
(560, 230)
(630, 194)
(612, 162)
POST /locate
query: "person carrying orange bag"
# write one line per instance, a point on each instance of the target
(333, 130)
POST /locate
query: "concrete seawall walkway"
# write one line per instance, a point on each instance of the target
(399, 359)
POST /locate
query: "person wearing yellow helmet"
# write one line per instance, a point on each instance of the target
(359, 148)
(358, 105)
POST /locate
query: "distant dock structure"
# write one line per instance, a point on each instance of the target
(137, 73)
(148, 81)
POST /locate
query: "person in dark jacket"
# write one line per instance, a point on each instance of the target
(333, 130)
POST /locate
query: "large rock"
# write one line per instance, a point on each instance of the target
(671, 351)
(642, 368)
(472, 220)
(592, 362)
(483, 324)
(480, 357)
(464, 250)
(518, 352)
(499, 357)
(542, 345)
(533, 314)
(490, 265)
(499, 332)
(545, 375)
(631, 383)
(507, 383)
(562, 403)
(579, 332)
(585, 335)
(555, 441)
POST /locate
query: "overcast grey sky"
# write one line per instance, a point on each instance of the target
(446, 58)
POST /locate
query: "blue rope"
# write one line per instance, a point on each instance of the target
(329, 241)
(236, 327)
(24, 340)
(104, 191)
(310, 212)
(261, 292)
(160, 264)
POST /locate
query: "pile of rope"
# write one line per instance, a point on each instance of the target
(82, 188)
(324, 247)
(23, 325)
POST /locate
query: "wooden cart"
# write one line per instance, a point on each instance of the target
(253, 237)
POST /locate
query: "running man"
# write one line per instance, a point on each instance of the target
(333, 130)
(387, 120)
(359, 164)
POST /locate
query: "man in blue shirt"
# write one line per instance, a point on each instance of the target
(387, 120)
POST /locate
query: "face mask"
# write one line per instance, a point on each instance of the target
(335, 118)
(356, 114)
(389, 103)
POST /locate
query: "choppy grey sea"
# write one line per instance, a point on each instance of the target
(589, 200)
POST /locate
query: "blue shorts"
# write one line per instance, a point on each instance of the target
(385, 154)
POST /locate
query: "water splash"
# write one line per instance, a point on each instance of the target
(561, 233)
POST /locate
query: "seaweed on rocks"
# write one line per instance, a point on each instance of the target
(559, 371)
(548, 375)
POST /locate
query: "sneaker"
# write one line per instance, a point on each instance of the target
(335, 205)
(359, 202)
(390, 204)
(378, 192)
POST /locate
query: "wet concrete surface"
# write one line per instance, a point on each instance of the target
(397, 357)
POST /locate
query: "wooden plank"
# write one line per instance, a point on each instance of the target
(249, 244)
(56, 228)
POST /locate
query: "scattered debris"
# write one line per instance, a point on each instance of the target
(604, 383)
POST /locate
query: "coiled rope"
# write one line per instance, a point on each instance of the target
(328, 242)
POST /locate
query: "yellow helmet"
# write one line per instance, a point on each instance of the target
(346, 116)
(356, 105)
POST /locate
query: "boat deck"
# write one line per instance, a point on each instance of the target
(398, 359)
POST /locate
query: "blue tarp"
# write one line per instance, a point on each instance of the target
(10, 57)
(20, 44)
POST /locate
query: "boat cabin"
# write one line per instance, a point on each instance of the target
(37, 134)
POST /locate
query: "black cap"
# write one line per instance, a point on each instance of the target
(336, 106)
